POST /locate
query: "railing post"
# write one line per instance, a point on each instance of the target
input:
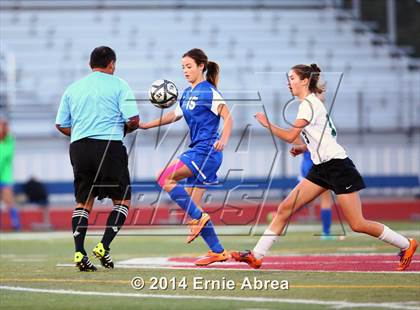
(360, 117)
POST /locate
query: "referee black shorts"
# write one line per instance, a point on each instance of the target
(100, 169)
(338, 175)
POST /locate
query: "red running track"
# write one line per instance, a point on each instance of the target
(356, 263)
(236, 214)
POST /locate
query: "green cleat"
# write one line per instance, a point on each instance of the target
(83, 262)
(103, 255)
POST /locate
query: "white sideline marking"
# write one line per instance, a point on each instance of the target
(334, 304)
(117, 265)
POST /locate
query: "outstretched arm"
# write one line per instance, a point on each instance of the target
(167, 118)
(132, 124)
(287, 135)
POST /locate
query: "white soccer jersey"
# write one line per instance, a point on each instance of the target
(320, 134)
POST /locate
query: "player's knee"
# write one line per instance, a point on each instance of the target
(358, 226)
(86, 206)
(166, 183)
(169, 186)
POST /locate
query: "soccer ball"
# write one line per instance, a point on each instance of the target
(163, 93)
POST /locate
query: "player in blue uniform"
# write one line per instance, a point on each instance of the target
(326, 201)
(202, 106)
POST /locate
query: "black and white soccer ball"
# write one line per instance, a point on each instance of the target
(163, 93)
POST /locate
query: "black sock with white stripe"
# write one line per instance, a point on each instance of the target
(114, 223)
(79, 223)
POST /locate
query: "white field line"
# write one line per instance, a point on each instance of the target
(240, 269)
(333, 304)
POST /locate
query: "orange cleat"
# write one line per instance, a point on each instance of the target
(246, 257)
(407, 255)
(211, 258)
(196, 226)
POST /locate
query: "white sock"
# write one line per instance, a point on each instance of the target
(265, 243)
(391, 237)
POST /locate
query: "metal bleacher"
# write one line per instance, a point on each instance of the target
(51, 44)
(254, 41)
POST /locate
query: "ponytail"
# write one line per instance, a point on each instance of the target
(311, 72)
(212, 68)
(212, 75)
(314, 80)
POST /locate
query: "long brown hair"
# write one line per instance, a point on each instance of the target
(212, 68)
(311, 72)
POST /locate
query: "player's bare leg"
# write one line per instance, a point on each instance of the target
(351, 206)
(196, 194)
(301, 195)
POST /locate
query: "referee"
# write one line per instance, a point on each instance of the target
(95, 112)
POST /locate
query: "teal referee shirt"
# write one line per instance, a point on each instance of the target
(97, 107)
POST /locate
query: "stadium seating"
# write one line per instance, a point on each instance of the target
(255, 42)
(51, 47)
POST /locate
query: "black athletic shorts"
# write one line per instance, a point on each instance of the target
(338, 175)
(100, 169)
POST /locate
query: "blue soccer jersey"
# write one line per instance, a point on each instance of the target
(199, 106)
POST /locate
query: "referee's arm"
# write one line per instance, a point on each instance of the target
(128, 107)
(64, 130)
(63, 119)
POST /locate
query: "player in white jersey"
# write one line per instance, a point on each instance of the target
(332, 170)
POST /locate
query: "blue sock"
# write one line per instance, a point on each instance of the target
(14, 218)
(181, 197)
(326, 221)
(209, 235)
